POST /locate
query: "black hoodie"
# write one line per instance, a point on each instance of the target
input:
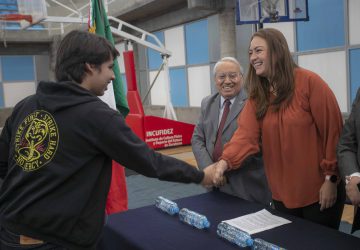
(56, 150)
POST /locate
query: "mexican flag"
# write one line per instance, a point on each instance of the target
(99, 24)
(115, 97)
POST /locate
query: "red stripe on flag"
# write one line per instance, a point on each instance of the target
(117, 200)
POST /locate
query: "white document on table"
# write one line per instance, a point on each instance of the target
(257, 222)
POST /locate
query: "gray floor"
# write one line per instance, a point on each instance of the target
(142, 191)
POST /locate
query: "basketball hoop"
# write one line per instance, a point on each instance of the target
(27, 13)
(36, 9)
(4, 18)
(270, 11)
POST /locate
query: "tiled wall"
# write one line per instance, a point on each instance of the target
(17, 79)
(189, 65)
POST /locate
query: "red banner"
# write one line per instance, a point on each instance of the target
(163, 133)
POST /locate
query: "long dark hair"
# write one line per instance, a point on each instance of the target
(281, 74)
(76, 49)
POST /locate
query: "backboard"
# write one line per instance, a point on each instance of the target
(267, 11)
(23, 12)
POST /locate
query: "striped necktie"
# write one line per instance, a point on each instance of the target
(218, 147)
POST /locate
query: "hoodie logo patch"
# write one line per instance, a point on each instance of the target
(36, 140)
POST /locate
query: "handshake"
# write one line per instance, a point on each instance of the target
(214, 174)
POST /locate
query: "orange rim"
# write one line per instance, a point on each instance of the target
(16, 17)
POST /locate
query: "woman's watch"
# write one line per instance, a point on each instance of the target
(333, 178)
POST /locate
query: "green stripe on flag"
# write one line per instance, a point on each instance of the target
(103, 29)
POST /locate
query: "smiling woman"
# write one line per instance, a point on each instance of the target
(293, 115)
(258, 56)
(271, 69)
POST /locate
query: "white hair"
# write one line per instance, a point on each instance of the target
(228, 59)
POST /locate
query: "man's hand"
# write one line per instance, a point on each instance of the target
(352, 190)
(219, 178)
(209, 172)
(328, 194)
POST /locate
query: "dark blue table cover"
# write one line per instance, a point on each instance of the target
(150, 228)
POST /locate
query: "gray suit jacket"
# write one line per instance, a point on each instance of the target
(348, 150)
(247, 182)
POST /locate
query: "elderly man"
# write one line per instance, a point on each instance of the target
(216, 125)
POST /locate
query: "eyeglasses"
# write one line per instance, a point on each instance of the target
(233, 76)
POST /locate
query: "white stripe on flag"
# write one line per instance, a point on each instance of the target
(109, 97)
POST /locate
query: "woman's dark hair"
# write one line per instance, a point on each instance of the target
(281, 74)
(78, 48)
